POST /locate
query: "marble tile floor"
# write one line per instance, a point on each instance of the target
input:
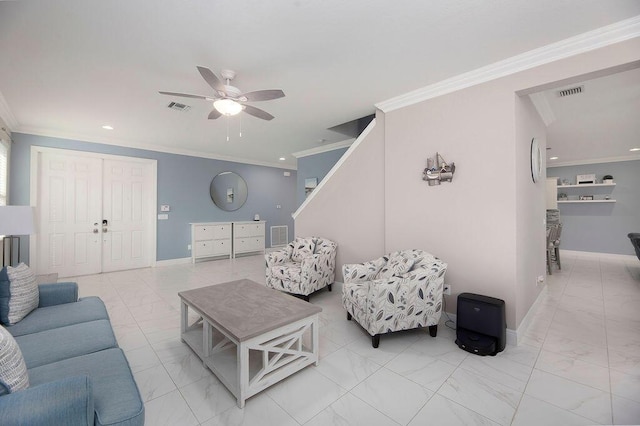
(577, 364)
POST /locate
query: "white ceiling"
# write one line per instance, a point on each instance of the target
(599, 123)
(67, 67)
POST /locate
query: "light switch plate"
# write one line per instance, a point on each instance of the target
(165, 208)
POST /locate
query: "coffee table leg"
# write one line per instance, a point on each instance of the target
(184, 316)
(315, 333)
(243, 373)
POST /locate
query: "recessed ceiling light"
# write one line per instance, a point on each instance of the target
(553, 158)
(282, 158)
(107, 127)
(634, 149)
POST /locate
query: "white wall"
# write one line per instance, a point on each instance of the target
(487, 224)
(348, 207)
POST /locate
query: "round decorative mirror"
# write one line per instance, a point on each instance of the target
(228, 191)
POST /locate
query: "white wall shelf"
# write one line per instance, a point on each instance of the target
(585, 201)
(587, 185)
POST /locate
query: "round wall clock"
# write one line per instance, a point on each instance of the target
(536, 160)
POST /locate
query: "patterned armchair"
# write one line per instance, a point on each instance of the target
(399, 291)
(304, 266)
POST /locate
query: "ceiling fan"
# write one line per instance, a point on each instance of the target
(229, 100)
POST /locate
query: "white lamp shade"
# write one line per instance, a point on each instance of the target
(16, 220)
(227, 107)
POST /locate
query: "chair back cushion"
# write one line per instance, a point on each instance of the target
(396, 266)
(13, 370)
(302, 247)
(19, 293)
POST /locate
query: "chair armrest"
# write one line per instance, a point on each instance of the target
(57, 294)
(361, 272)
(63, 402)
(277, 257)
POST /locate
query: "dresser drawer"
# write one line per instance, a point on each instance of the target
(249, 230)
(204, 248)
(243, 245)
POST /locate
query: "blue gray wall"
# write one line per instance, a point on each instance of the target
(315, 166)
(601, 228)
(183, 183)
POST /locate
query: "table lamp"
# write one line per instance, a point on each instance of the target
(14, 222)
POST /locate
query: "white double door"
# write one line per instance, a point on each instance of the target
(95, 213)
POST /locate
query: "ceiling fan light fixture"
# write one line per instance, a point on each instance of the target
(227, 107)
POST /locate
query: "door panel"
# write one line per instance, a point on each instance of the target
(69, 208)
(127, 186)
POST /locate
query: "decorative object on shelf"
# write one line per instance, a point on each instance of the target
(586, 197)
(256, 217)
(562, 197)
(565, 182)
(228, 191)
(607, 197)
(14, 222)
(309, 185)
(585, 179)
(536, 160)
(607, 179)
(438, 170)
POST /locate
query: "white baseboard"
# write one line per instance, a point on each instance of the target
(590, 254)
(171, 262)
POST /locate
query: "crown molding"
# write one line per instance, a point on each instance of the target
(591, 40)
(324, 148)
(149, 147)
(594, 161)
(6, 115)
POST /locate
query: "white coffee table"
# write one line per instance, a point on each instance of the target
(249, 336)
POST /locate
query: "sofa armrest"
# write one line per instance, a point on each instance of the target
(63, 402)
(57, 294)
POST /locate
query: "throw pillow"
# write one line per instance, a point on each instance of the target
(19, 293)
(13, 370)
(302, 247)
(396, 266)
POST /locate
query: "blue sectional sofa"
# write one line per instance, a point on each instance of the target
(77, 373)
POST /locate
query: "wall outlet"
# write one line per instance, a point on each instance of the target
(447, 289)
(188, 246)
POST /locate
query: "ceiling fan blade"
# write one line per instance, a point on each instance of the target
(186, 95)
(212, 80)
(262, 95)
(257, 112)
(214, 114)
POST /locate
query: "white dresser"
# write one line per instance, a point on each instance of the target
(248, 236)
(211, 239)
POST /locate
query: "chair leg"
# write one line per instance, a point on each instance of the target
(433, 330)
(375, 340)
(549, 263)
(305, 297)
(348, 316)
(557, 251)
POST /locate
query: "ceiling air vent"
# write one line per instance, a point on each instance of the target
(570, 91)
(179, 107)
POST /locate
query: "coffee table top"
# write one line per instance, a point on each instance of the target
(245, 309)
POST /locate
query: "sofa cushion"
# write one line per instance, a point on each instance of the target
(85, 309)
(115, 394)
(18, 293)
(61, 343)
(302, 247)
(396, 266)
(13, 371)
